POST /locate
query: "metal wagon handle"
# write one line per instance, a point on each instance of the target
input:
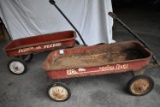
(54, 3)
(114, 16)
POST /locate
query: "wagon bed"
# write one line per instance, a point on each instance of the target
(40, 43)
(94, 60)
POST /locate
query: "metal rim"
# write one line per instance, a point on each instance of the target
(17, 67)
(58, 93)
(141, 86)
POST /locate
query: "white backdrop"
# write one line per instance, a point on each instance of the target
(24, 18)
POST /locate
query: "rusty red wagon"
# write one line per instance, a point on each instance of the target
(98, 60)
(25, 47)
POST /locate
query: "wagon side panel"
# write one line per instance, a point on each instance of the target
(99, 70)
(41, 43)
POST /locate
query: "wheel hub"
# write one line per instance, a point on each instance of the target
(140, 86)
(16, 67)
(58, 93)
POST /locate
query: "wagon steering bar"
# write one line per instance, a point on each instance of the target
(134, 34)
(54, 3)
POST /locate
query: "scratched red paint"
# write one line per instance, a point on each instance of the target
(116, 67)
(40, 43)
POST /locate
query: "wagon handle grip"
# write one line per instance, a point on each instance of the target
(52, 1)
(112, 15)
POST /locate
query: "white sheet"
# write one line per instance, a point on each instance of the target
(24, 18)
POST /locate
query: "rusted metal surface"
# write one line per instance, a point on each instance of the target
(141, 86)
(40, 43)
(97, 60)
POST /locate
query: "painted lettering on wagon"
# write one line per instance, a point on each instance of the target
(23, 50)
(71, 72)
(101, 69)
(52, 45)
(114, 67)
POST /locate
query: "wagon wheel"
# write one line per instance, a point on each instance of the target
(59, 92)
(140, 85)
(17, 66)
(26, 58)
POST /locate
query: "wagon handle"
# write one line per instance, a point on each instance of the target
(125, 26)
(54, 3)
(114, 16)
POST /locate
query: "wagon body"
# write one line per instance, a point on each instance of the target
(40, 43)
(97, 60)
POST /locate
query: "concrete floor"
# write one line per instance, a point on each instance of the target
(29, 90)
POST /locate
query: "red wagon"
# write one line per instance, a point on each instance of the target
(25, 47)
(98, 60)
